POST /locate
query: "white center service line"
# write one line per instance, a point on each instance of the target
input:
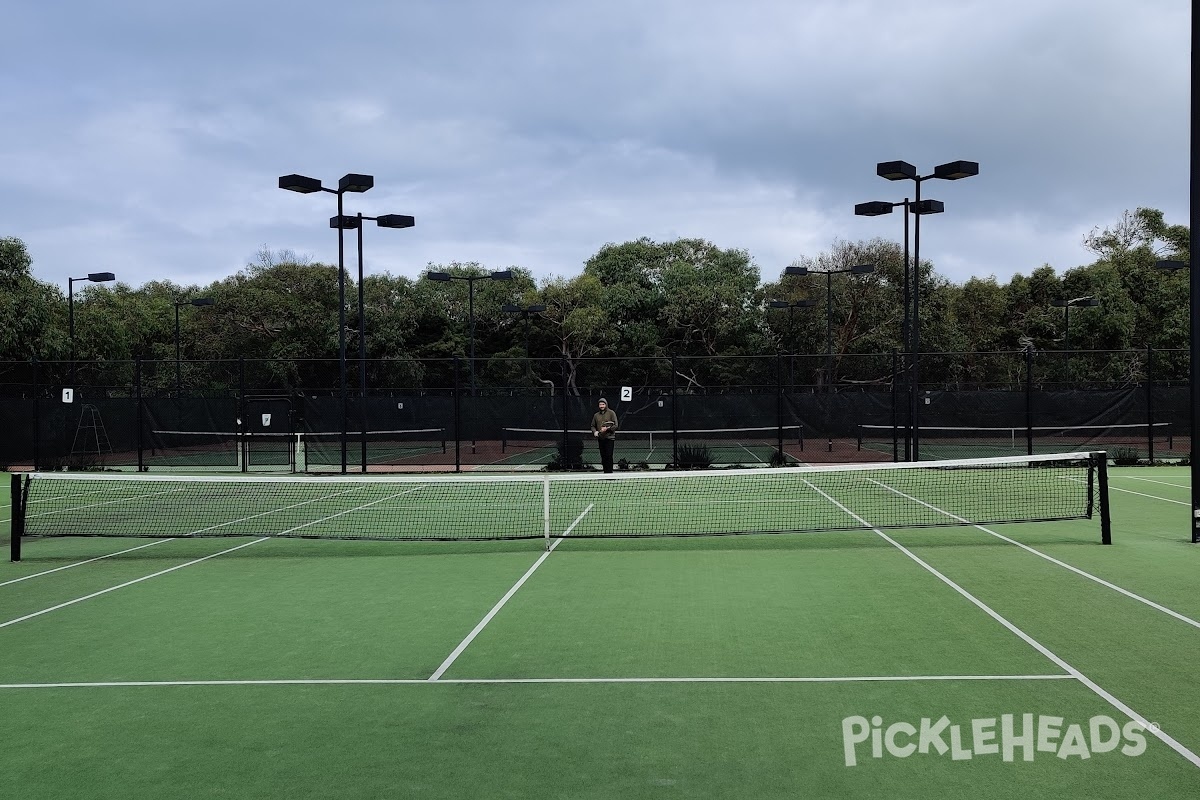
(508, 595)
(1051, 559)
(1045, 651)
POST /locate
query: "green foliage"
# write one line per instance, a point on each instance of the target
(1124, 456)
(686, 298)
(693, 456)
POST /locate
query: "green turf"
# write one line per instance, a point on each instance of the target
(832, 605)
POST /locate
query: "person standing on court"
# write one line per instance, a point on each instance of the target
(604, 428)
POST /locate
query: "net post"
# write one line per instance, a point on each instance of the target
(1101, 462)
(546, 509)
(17, 526)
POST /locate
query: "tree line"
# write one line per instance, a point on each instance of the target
(687, 298)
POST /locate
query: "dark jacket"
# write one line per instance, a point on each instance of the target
(602, 418)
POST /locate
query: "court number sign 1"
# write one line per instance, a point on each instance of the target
(626, 394)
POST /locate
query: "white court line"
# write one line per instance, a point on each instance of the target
(106, 503)
(1149, 480)
(127, 583)
(1139, 494)
(503, 681)
(1049, 558)
(81, 563)
(1045, 651)
(450, 659)
(185, 535)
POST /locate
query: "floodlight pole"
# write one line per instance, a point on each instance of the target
(199, 301)
(791, 307)
(94, 277)
(500, 275)
(858, 269)
(351, 182)
(525, 311)
(901, 170)
(1193, 360)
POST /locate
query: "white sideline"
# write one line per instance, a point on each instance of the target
(450, 659)
(81, 563)
(1112, 488)
(127, 583)
(1045, 651)
(1051, 559)
(501, 681)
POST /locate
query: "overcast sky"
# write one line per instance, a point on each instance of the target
(146, 137)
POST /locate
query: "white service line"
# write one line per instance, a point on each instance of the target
(1148, 480)
(450, 659)
(1045, 651)
(1112, 488)
(127, 583)
(448, 681)
(1051, 559)
(81, 563)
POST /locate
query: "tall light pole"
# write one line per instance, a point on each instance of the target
(351, 182)
(901, 171)
(1078, 302)
(94, 277)
(1193, 361)
(791, 308)
(857, 269)
(443, 277)
(525, 311)
(355, 222)
(199, 301)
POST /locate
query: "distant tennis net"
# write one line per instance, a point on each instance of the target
(660, 503)
(295, 452)
(996, 441)
(724, 445)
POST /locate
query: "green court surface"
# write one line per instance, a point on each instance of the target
(697, 667)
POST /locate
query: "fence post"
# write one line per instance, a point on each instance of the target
(457, 419)
(1029, 400)
(895, 416)
(674, 415)
(243, 446)
(1150, 403)
(37, 417)
(779, 406)
(564, 450)
(141, 423)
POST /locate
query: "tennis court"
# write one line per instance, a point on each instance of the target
(678, 666)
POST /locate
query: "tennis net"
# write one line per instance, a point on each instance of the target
(455, 507)
(315, 451)
(1016, 439)
(723, 445)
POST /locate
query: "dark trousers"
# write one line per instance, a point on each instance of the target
(606, 453)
